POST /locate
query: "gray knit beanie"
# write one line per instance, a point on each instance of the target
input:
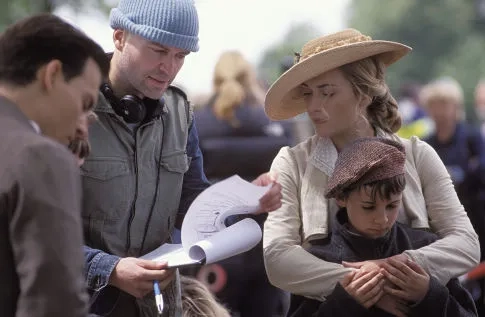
(166, 22)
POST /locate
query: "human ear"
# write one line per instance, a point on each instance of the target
(119, 39)
(365, 101)
(342, 203)
(50, 73)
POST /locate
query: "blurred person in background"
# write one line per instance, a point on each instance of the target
(415, 121)
(236, 137)
(461, 148)
(480, 105)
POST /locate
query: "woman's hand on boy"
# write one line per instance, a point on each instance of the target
(410, 280)
(366, 289)
(372, 264)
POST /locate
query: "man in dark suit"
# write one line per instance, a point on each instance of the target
(50, 73)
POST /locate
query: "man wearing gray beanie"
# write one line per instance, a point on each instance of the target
(145, 166)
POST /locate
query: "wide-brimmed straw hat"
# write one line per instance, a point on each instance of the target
(365, 161)
(284, 100)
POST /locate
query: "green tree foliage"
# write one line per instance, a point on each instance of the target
(271, 60)
(447, 37)
(12, 10)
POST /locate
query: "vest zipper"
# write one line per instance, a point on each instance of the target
(132, 211)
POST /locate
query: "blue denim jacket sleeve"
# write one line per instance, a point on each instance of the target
(195, 180)
(99, 266)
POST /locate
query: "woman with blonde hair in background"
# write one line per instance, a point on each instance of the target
(236, 137)
(339, 79)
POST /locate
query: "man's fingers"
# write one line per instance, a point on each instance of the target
(151, 265)
(168, 279)
(157, 275)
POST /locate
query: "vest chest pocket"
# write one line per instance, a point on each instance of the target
(108, 188)
(172, 170)
(177, 162)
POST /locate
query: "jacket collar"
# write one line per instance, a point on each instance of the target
(103, 105)
(8, 108)
(324, 155)
(363, 247)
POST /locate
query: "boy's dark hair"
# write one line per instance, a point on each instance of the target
(32, 42)
(384, 188)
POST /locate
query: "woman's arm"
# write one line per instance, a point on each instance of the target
(458, 250)
(288, 265)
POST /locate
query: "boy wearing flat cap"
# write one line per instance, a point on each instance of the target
(367, 183)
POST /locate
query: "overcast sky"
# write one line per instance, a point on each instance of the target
(250, 26)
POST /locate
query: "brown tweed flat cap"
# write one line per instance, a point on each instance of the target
(365, 161)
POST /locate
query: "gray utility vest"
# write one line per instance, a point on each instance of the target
(121, 174)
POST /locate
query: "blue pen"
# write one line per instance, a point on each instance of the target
(158, 296)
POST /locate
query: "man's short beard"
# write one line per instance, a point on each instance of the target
(80, 148)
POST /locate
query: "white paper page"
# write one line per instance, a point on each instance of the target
(207, 213)
(240, 237)
(173, 254)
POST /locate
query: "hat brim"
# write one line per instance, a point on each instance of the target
(282, 102)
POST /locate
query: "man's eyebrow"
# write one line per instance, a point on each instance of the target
(163, 47)
(158, 45)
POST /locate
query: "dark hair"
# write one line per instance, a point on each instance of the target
(32, 42)
(384, 188)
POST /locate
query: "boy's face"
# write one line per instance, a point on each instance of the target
(372, 219)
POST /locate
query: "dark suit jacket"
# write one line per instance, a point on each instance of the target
(41, 259)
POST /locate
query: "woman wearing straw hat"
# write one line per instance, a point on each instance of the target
(339, 80)
(365, 228)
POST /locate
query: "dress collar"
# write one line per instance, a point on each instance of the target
(324, 155)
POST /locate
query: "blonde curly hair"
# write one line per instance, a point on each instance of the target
(198, 301)
(367, 76)
(234, 81)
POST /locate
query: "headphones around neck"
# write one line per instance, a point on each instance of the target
(130, 107)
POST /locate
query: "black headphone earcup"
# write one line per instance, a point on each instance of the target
(132, 108)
